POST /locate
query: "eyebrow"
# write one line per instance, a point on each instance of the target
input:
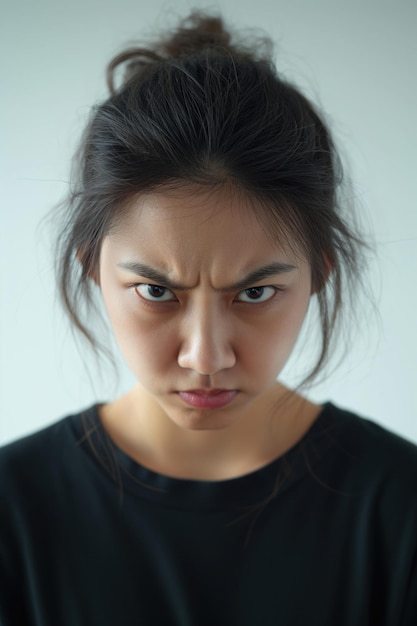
(146, 271)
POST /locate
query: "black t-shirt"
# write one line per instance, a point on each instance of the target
(89, 537)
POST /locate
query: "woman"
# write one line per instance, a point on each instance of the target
(207, 217)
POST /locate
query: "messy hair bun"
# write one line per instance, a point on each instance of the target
(201, 107)
(196, 33)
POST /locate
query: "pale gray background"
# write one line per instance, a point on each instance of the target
(356, 58)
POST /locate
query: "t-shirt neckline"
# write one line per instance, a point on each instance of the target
(247, 490)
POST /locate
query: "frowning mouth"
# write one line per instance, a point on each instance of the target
(208, 398)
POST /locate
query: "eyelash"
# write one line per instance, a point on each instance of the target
(167, 291)
(150, 285)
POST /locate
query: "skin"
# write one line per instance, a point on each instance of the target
(207, 333)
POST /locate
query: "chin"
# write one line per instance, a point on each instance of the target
(204, 419)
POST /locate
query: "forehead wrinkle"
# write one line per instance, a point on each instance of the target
(188, 255)
(206, 202)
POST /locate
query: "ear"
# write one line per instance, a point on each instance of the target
(81, 257)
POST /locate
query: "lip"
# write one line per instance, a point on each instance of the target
(208, 398)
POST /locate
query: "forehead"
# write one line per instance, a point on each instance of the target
(188, 233)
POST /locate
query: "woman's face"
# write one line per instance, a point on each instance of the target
(205, 306)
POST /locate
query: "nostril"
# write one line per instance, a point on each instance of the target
(206, 362)
(206, 345)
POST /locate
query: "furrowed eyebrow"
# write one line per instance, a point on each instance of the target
(272, 269)
(149, 272)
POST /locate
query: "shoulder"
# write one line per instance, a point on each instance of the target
(356, 452)
(38, 456)
(364, 436)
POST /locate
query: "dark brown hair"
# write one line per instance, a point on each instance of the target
(197, 107)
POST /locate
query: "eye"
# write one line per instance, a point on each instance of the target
(154, 293)
(256, 294)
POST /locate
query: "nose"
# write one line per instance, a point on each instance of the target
(206, 344)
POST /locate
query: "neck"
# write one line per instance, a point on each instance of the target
(273, 424)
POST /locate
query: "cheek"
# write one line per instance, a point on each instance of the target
(271, 347)
(146, 344)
